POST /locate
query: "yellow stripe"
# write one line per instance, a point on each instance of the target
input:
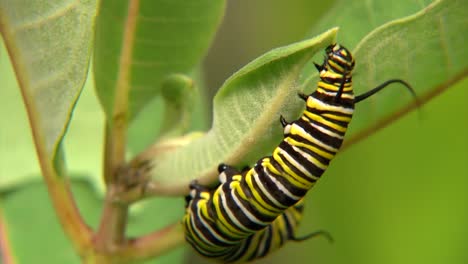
(308, 137)
(335, 87)
(341, 59)
(312, 160)
(256, 193)
(266, 163)
(309, 147)
(204, 210)
(194, 231)
(338, 118)
(259, 206)
(224, 225)
(250, 250)
(321, 120)
(295, 179)
(312, 103)
(330, 74)
(335, 65)
(328, 86)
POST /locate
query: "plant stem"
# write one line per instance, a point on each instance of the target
(54, 176)
(117, 133)
(111, 232)
(6, 255)
(154, 244)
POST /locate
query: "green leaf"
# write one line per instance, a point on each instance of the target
(357, 18)
(425, 49)
(169, 37)
(49, 46)
(412, 48)
(179, 96)
(18, 159)
(246, 115)
(43, 240)
(149, 219)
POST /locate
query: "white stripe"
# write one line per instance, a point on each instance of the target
(312, 139)
(261, 248)
(310, 158)
(267, 193)
(230, 214)
(343, 95)
(198, 231)
(207, 227)
(282, 188)
(326, 131)
(295, 164)
(246, 212)
(334, 108)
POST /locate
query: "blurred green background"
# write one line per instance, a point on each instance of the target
(400, 196)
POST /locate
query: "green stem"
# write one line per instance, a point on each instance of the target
(152, 245)
(6, 255)
(111, 232)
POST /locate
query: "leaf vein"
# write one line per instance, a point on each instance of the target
(40, 21)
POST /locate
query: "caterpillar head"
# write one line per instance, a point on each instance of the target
(338, 59)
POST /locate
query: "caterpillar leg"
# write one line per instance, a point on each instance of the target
(245, 169)
(197, 191)
(303, 96)
(226, 173)
(286, 126)
(198, 188)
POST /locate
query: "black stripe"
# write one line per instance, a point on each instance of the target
(330, 112)
(333, 68)
(309, 166)
(305, 141)
(336, 81)
(266, 235)
(226, 216)
(240, 250)
(316, 155)
(331, 99)
(253, 210)
(325, 126)
(336, 122)
(273, 188)
(330, 119)
(319, 135)
(262, 194)
(201, 229)
(238, 213)
(289, 226)
(297, 191)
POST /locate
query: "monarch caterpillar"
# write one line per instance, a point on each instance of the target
(257, 210)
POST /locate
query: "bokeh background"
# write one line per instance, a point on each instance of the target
(400, 196)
